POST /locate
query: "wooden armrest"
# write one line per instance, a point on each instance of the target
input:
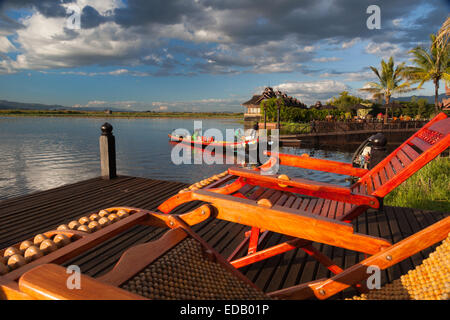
(290, 222)
(306, 162)
(306, 187)
(49, 282)
(324, 288)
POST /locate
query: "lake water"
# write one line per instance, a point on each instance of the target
(43, 153)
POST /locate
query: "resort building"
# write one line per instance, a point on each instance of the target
(253, 106)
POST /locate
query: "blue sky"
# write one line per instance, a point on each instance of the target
(201, 55)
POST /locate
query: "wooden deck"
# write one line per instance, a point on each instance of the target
(25, 216)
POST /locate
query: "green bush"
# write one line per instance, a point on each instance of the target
(294, 114)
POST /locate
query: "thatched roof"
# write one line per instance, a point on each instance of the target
(255, 100)
(269, 93)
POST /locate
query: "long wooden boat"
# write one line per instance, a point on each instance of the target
(204, 142)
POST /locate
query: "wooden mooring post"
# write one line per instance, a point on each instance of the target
(107, 152)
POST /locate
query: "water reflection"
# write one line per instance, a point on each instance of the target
(42, 153)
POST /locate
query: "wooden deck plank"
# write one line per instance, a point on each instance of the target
(26, 216)
(310, 267)
(390, 230)
(404, 225)
(49, 218)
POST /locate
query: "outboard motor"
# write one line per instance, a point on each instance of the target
(379, 151)
(370, 152)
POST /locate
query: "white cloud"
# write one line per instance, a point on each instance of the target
(326, 59)
(309, 92)
(118, 72)
(351, 43)
(351, 76)
(206, 105)
(101, 104)
(6, 45)
(384, 49)
(397, 22)
(45, 43)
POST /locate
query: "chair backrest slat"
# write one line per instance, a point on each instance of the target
(410, 152)
(396, 164)
(376, 180)
(389, 171)
(443, 126)
(369, 185)
(413, 154)
(382, 175)
(403, 158)
(421, 144)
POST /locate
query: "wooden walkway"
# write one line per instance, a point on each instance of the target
(25, 216)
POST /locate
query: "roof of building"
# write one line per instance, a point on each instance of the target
(255, 100)
(270, 93)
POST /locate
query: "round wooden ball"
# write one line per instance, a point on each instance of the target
(3, 269)
(122, 213)
(11, 251)
(16, 261)
(38, 239)
(94, 226)
(104, 221)
(33, 253)
(73, 225)
(63, 227)
(94, 217)
(48, 246)
(113, 217)
(61, 240)
(25, 245)
(103, 213)
(83, 220)
(84, 228)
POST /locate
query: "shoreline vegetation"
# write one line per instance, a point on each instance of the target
(427, 189)
(115, 114)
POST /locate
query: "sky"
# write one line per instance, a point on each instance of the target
(201, 55)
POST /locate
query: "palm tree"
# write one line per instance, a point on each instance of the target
(390, 82)
(432, 64)
(443, 33)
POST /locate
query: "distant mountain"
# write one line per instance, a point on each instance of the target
(22, 105)
(4, 104)
(430, 99)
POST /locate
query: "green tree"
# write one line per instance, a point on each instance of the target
(431, 64)
(422, 107)
(345, 100)
(271, 107)
(390, 80)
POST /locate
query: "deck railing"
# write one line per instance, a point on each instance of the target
(362, 125)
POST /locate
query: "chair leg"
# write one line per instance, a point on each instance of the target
(321, 258)
(329, 264)
(253, 242)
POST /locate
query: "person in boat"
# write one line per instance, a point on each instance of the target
(238, 134)
(195, 135)
(364, 158)
(251, 134)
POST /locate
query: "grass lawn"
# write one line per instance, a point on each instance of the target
(427, 189)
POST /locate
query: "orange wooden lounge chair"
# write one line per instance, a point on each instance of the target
(180, 264)
(326, 203)
(373, 185)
